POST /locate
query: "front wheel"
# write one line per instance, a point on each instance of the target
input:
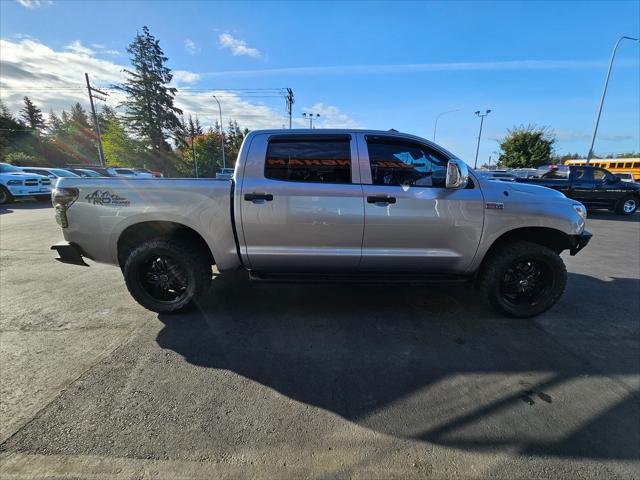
(523, 279)
(167, 275)
(5, 195)
(627, 205)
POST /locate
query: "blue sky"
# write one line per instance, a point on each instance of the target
(375, 65)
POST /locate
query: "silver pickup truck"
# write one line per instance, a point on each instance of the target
(326, 205)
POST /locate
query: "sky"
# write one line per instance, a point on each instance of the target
(360, 64)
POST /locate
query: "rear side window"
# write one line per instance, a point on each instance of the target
(557, 174)
(309, 160)
(396, 162)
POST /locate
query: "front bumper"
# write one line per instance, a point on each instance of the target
(578, 242)
(69, 253)
(22, 191)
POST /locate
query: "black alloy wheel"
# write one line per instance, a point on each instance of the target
(526, 282)
(164, 278)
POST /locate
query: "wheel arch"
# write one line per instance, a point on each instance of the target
(140, 232)
(549, 237)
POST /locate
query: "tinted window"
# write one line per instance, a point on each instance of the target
(312, 160)
(557, 173)
(399, 163)
(583, 174)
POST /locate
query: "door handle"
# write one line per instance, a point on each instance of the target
(381, 199)
(252, 197)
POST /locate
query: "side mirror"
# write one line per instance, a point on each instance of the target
(457, 174)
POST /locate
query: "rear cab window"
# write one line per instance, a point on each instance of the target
(309, 159)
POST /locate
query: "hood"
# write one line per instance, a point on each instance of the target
(23, 175)
(531, 189)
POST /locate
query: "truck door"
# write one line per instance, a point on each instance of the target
(301, 203)
(412, 222)
(607, 188)
(581, 185)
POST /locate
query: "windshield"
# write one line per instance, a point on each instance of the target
(90, 173)
(6, 168)
(62, 173)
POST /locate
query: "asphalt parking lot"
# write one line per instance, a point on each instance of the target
(267, 381)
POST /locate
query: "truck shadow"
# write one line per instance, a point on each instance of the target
(612, 216)
(430, 363)
(24, 205)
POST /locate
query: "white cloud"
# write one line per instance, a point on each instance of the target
(330, 117)
(182, 77)
(55, 80)
(34, 3)
(77, 47)
(238, 47)
(97, 49)
(191, 47)
(424, 67)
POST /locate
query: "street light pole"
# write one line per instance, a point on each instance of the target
(604, 93)
(475, 165)
(310, 116)
(224, 163)
(435, 126)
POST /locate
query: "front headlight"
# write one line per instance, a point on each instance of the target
(14, 182)
(582, 211)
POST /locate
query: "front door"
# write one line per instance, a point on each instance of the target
(412, 222)
(301, 203)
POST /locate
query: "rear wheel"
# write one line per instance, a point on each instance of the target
(627, 205)
(167, 275)
(5, 195)
(523, 279)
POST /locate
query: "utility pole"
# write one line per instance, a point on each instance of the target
(310, 116)
(604, 93)
(91, 89)
(475, 165)
(224, 163)
(290, 102)
(193, 149)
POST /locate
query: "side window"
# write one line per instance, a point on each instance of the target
(402, 163)
(599, 175)
(557, 174)
(583, 174)
(317, 161)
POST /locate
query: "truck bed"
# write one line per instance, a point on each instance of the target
(106, 207)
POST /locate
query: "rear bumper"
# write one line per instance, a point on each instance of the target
(578, 242)
(69, 253)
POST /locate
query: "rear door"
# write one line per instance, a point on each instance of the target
(301, 203)
(412, 222)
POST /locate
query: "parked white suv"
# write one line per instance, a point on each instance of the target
(14, 183)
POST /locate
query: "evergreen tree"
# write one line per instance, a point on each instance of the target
(32, 115)
(150, 109)
(79, 117)
(526, 147)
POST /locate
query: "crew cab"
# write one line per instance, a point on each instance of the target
(594, 187)
(326, 206)
(14, 183)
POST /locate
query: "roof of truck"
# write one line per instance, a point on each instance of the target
(338, 131)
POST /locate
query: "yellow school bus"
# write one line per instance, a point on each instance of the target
(614, 165)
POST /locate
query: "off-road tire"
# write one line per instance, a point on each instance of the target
(194, 261)
(496, 266)
(5, 196)
(620, 206)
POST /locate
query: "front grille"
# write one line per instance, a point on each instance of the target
(31, 182)
(45, 181)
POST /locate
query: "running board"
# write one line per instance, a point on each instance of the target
(358, 278)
